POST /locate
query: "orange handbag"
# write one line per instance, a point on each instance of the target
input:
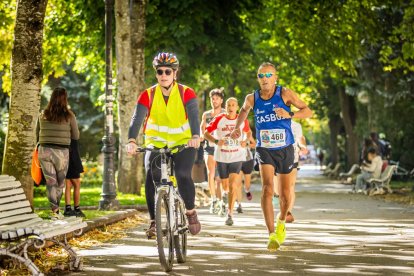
(36, 169)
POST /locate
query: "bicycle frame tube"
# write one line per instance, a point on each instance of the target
(171, 207)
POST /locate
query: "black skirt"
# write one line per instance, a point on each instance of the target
(75, 162)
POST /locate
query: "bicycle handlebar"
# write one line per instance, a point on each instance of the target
(162, 150)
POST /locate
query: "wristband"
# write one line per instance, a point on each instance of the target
(291, 114)
(216, 141)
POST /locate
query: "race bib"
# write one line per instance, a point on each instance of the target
(230, 143)
(273, 138)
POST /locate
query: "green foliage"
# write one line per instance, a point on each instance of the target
(7, 15)
(208, 36)
(74, 35)
(366, 46)
(92, 175)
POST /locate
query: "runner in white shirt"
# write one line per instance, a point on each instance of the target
(299, 145)
(228, 153)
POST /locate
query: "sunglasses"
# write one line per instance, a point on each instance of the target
(167, 72)
(262, 75)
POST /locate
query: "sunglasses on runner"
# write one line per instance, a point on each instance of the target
(262, 75)
(167, 72)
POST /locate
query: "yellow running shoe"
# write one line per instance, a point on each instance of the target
(280, 232)
(273, 244)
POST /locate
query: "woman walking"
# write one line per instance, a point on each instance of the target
(55, 128)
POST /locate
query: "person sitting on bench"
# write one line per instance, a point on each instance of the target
(372, 170)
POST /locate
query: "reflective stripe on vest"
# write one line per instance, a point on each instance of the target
(167, 124)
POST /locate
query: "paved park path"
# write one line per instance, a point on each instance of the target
(335, 233)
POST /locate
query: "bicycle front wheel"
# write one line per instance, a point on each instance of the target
(180, 238)
(165, 241)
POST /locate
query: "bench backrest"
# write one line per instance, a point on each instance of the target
(353, 169)
(14, 206)
(387, 173)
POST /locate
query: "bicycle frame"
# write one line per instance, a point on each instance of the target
(167, 185)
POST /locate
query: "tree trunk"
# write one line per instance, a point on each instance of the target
(130, 78)
(334, 126)
(348, 110)
(138, 8)
(26, 72)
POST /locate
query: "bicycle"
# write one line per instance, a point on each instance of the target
(170, 220)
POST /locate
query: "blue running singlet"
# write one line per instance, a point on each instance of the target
(272, 132)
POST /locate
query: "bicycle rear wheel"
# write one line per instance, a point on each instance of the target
(165, 241)
(180, 238)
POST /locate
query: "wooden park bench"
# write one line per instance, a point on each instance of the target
(21, 229)
(347, 177)
(379, 185)
(333, 172)
(328, 168)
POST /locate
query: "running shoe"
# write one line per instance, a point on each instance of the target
(239, 209)
(151, 231)
(280, 232)
(229, 221)
(194, 226)
(249, 196)
(69, 212)
(79, 213)
(56, 216)
(225, 198)
(273, 243)
(289, 217)
(221, 211)
(213, 205)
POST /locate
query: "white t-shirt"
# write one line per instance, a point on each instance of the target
(231, 151)
(297, 135)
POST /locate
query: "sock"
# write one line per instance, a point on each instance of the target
(279, 221)
(213, 198)
(68, 207)
(77, 208)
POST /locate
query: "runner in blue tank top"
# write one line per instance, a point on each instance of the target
(274, 151)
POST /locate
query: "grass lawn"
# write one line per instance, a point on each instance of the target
(407, 185)
(90, 196)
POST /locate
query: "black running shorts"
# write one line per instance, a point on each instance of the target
(225, 169)
(247, 166)
(282, 160)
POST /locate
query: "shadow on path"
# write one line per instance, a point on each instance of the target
(334, 233)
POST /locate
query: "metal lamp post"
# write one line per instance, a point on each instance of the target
(108, 200)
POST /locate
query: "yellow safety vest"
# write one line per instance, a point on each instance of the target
(166, 124)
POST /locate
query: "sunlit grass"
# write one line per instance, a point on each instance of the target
(90, 196)
(401, 184)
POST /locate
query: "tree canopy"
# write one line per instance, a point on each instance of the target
(363, 48)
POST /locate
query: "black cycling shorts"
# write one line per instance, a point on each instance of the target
(225, 169)
(282, 160)
(247, 166)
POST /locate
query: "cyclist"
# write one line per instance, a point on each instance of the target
(272, 109)
(228, 153)
(169, 111)
(216, 100)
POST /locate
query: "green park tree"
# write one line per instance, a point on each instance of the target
(26, 76)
